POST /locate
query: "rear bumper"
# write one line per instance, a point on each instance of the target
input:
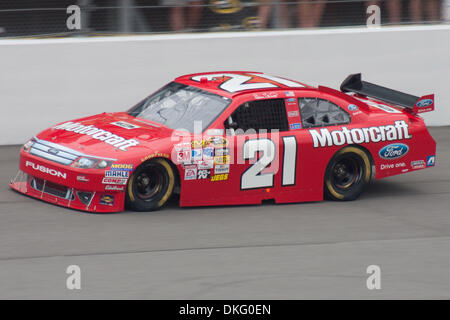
(62, 185)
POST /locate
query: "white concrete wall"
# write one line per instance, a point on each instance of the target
(43, 82)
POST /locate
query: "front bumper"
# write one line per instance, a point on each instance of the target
(67, 187)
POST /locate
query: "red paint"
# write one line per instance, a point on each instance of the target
(155, 141)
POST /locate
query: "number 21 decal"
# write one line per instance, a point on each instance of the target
(252, 178)
(239, 82)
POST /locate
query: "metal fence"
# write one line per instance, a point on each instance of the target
(37, 18)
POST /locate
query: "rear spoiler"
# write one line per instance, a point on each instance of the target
(353, 83)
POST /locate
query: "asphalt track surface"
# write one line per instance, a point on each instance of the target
(295, 251)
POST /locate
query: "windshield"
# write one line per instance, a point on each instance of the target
(177, 106)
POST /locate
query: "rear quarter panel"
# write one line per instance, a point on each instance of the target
(421, 146)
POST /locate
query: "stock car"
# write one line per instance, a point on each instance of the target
(230, 138)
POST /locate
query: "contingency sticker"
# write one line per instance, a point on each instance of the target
(107, 200)
(190, 173)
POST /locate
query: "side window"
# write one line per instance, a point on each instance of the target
(317, 112)
(260, 114)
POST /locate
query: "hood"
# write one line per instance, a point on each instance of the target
(107, 134)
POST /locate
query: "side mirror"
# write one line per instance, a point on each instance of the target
(230, 124)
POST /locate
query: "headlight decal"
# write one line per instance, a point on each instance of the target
(89, 163)
(27, 146)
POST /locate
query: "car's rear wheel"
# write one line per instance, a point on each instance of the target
(150, 186)
(347, 174)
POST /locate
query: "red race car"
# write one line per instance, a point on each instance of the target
(228, 138)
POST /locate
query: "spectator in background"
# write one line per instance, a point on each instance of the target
(264, 10)
(394, 8)
(417, 9)
(310, 13)
(177, 13)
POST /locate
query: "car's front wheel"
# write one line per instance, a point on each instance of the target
(150, 186)
(347, 174)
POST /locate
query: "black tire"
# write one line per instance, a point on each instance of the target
(150, 186)
(347, 174)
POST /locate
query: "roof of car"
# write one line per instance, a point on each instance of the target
(232, 83)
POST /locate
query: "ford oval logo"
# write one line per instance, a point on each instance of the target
(53, 151)
(393, 151)
(424, 103)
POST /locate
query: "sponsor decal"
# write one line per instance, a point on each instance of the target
(393, 151)
(219, 177)
(352, 107)
(119, 170)
(327, 138)
(418, 164)
(203, 174)
(215, 132)
(82, 179)
(155, 155)
(208, 153)
(117, 174)
(184, 156)
(205, 164)
(183, 146)
(112, 180)
(290, 93)
(222, 160)
(295, 126)
(114, 188)
(424, 103)
(190, 173)
(392, 165)
(222, 168)
(292, 114)
(222, 152)
(107, 200)
(265, 95)
(380, 106)
(196, 154)
(291, 102)
(46, 170)
(199, 143)
(218, 142)
(125, 125)
(98, 134)
(431, 160)
(122, 167)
